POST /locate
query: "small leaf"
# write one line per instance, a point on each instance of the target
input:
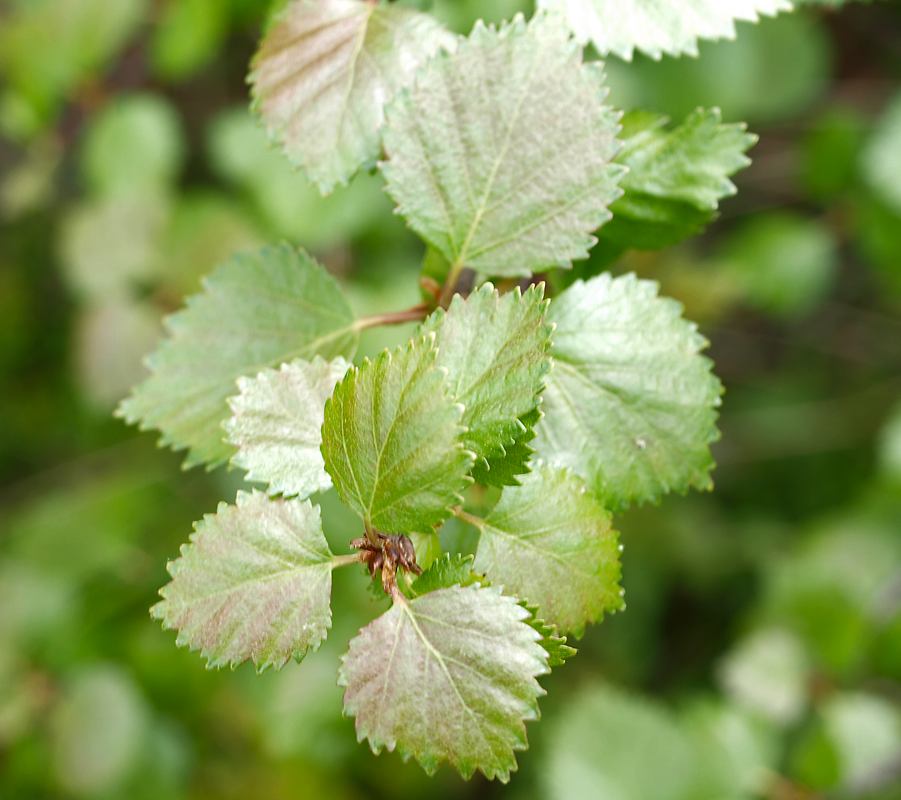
(676, 178)
(496, 350)
(254, 584)
(257, 310)
(500, 155)
(391, 441)
(630, 404)
(276, 425)
(449, 676)
(558, 651)
(672, 28)
(551, 544)
(324, 73)
(452, 569)
(505, 470)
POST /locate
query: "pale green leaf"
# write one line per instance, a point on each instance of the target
(658, 27)
(276, 425)
(324, 73)
(550, 543)
(631, 404)
(449, 676)
(677, 176)
(499, 156)
(496, 350)
(392, 440)
(254, 584)
(257, 310)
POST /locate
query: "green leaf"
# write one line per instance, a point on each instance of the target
(496, 350)
(324, 73)
(452, 569)
(676, 178)
(558, 651)
(631, 404)
(551, 544)
(449, 676)
(257, 310)
(481, 151)
(655, 28)
(276, 425)
(392, 440)
(254, 584)
(505, 470)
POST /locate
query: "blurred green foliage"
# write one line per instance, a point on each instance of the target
(761, 652)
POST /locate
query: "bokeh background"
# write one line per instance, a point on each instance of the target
(760, 655)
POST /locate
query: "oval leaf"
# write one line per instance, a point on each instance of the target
(324, 73)
(551, 544)
(254, 584)
(391, 441)
(449, 676)
(499, 156)
(496, 350)
(257, 310)
(631, 404)
(276, 425)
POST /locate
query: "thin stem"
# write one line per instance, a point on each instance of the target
(476, 522)
(415, 314)
(346, 561)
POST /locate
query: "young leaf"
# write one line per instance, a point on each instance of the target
(324, 73)
(448, 676)
(499, 156)
(391, 440)
(496, 350)
(558, 651)
(630, 404)
(452, 569)
(676, 178)
(257, 310)
(672, 28)
(254, 583)
(550, 543)
(276, 425)
(506, 469)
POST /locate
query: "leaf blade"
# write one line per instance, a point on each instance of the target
(656, 29)
(391, 441)
(325, 71)
(459, 180)
(185, 397)
(551, 544)
(496, 350)
(276, 425)
(449, 676)
(677, 176)
(631, 404)
(253, 584)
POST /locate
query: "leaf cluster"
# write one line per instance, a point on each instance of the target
(502, 154)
